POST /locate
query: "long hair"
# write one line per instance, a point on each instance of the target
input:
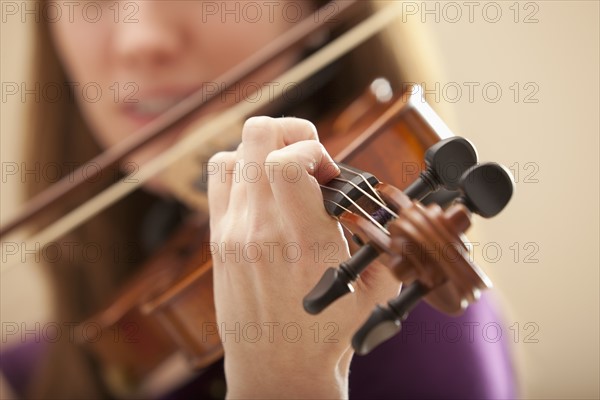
(57, 133)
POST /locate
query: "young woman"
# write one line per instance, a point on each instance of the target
(166, 51)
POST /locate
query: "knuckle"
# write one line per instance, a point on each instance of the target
(278, 158)
(308, 126)
(222, 157)
(256, 129)
(317, 148)
(227, 234)
(259, 235)
(321, 147)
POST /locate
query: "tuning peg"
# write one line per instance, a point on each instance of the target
(385, 322)
(486, 189)
(337, 282)
(446, 161)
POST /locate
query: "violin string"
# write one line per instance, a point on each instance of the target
(211, 129)
(335, 203)
(374, 200)
(359, 208)
(365, 180)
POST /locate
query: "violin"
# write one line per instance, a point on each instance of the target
(171, 300)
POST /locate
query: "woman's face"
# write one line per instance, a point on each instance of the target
(132, 60)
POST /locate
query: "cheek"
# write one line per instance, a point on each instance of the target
(82, 48)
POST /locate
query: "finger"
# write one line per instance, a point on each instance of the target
(219, 182)
(238, 190)
(295, 173)
(261, 136)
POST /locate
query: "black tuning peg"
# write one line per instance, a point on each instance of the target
(486, 189)
(385, 322)
(337, 282)
(446, 161)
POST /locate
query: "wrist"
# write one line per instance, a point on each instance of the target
(303, 377)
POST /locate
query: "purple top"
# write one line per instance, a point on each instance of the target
(434, 356)
(439, 356)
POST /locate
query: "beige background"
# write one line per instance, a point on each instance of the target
(551, 145)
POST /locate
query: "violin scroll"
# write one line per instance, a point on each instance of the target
(440, 270)
(444, 161)
(424, 243)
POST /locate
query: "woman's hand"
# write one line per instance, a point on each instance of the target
(273, 241)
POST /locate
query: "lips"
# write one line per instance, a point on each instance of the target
(151, 106)
(154, 107)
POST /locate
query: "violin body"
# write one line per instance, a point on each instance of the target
(162, 312)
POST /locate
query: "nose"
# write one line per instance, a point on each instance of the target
(151, 37)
